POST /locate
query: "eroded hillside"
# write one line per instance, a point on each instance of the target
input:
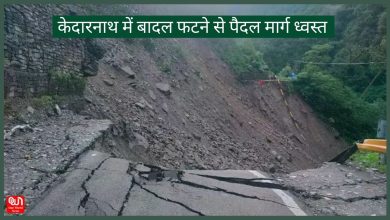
(205, 119)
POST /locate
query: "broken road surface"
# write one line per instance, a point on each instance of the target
(98, 184)
(335, 189)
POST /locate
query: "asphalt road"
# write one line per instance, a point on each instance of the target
(99, 185)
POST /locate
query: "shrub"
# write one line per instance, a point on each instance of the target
(246, 62)
(66, 84)
(44, 101)
(369, 159)
(165, 67)
(351, 116)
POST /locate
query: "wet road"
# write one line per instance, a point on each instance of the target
(101, 185)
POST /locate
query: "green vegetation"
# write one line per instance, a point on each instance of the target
(338, 105)
(340, 94)
(369, 159)
(61, 83)
(246, 62)
(165, 67)
(47, 101)
(44, 101)
(332, 99)
(336, 91)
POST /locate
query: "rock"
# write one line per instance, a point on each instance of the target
(274, 153)
(108, 82)
(272, 168)
(133, 84)
(164, 88)
(89, 68)
(57, 110)
(279, 158)
(326, 211)
(349, 181)
(165, 107)
(17, 130)
(141, 140)
(152, 95)
(130, 73)
(140, 105)
(148, 104)
(196, 136)
(143, 103)
(349, 175)
(88, 99)
(142, 168)
(30, 110)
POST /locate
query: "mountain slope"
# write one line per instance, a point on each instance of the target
(208, 121)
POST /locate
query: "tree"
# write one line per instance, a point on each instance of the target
(246, 62)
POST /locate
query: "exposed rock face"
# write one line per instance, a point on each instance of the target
(31, 53)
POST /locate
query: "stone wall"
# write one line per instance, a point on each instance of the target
(31, 53)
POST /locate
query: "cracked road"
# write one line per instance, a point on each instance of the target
(100, 185)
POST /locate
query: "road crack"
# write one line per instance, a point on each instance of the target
(217, 189)
(249, 182)
(305, 194)
(84, 200)
(168, 200)
(127, 196)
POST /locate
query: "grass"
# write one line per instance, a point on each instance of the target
(369, 160)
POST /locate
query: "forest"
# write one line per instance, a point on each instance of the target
(342, 78)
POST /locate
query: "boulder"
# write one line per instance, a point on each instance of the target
(17, 130)
(143, 103)
(152, 95)
(30, 110)
(130, 73)
(164, 88)
(108, 82)
(57, 110)
(165, 107)
(141, 140)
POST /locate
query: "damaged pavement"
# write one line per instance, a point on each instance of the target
(37, 155)
(69, 175)
(100, 184)
(335, 189)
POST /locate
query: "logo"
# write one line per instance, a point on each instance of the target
(14, 204)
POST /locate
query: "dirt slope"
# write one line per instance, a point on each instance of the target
(208, 121)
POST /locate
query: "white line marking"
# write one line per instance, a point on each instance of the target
(291, 204)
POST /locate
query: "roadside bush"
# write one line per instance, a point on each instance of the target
(339, 105)
(44, 101)
(369, 159)
(66, 84)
